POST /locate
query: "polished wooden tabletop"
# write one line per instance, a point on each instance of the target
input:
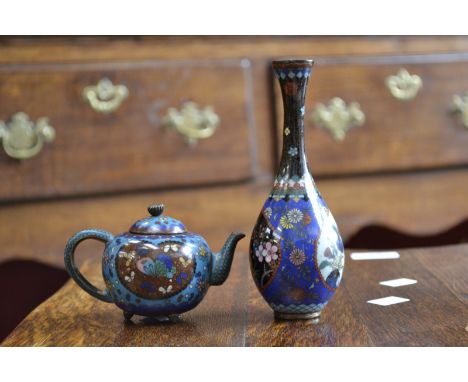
(236, 315)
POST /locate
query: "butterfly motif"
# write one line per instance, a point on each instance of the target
(146, 266)
(165, 290)
(184, 261)
(131, 277)
(127, 256)
(171, 247)
(156, 268)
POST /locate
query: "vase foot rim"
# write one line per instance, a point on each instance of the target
(315, 316)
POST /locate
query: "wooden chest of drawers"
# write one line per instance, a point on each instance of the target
(394, 134)
(128, 148)
(404, 167)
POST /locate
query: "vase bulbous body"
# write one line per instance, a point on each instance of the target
(296, 252)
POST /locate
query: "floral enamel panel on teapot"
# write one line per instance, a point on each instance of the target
(158, 268)
(296, 252)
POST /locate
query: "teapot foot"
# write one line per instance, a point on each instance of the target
(168, 318)
(128, 316)
(314, 316)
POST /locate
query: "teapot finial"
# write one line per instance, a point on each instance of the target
(156, 209)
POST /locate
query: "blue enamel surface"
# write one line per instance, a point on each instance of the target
(302, 287)
(284, 73)
(296, 252)
(158, 225)
(183, 301)
(304, 241)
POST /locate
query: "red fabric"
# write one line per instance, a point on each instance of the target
(24, 285)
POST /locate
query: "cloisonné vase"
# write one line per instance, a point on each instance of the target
(296, 252)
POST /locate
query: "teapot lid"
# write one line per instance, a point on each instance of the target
(157, 223)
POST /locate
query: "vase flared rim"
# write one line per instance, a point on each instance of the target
(292, 63)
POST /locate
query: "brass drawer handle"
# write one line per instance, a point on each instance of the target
(404, 86)
(460, 106)
(105, 97)
(192, 122)
(22, 138)
(338, 117)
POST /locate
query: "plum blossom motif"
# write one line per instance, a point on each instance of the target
(293, 151)
(258, 253)
(297, 257)
(267, 212)
(268, 252)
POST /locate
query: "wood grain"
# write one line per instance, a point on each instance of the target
(85, 49)
(408, 202)
(128, 149)
(236, 315)
(227, 193)
(396, 136)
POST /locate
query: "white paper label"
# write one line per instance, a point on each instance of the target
(398, 282)
(390, 300)
(375, 255)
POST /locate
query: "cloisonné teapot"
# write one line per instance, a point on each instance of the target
(158, 268)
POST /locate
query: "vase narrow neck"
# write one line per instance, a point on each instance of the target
(293, 77)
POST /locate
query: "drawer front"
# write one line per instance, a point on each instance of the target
(396, 135)
(129, 148)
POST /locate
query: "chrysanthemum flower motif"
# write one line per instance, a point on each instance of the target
(285, 223)
(295, 215)
(267, 212)
(270, 252)
(297, 257)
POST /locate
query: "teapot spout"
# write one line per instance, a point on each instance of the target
(221, 262)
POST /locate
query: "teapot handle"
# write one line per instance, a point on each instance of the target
(72, 269)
